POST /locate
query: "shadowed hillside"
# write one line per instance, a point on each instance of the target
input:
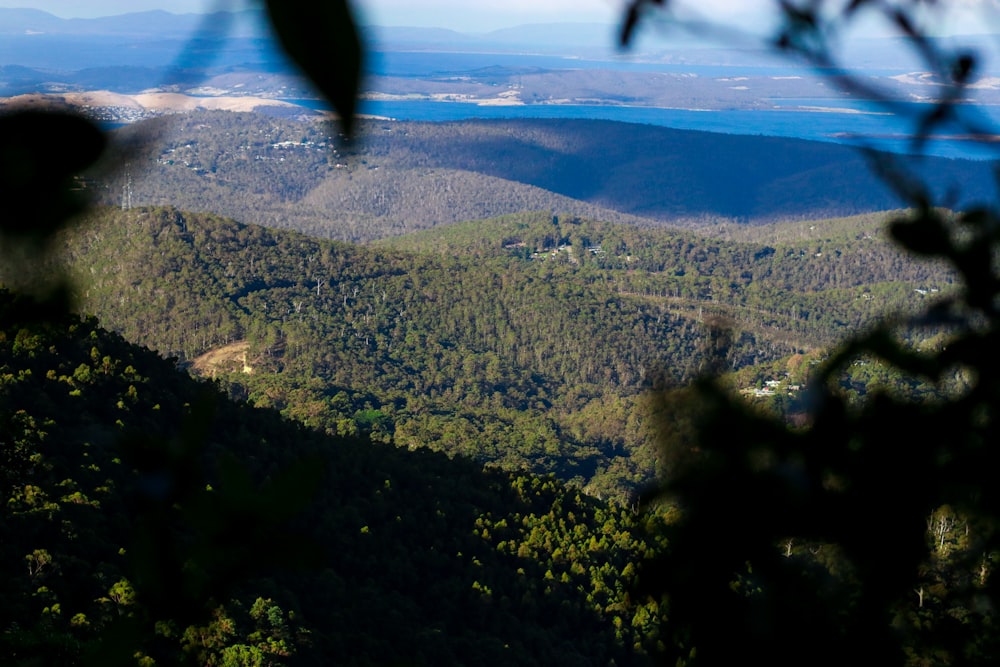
(399, 177)
(147, 518)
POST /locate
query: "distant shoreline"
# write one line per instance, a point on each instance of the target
(852, 125)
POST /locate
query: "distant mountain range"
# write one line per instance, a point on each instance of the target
(588, 40)
(159, 24)
(36, 39)
(252, 23)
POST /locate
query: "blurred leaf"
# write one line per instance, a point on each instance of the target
(628, 26)
(963, 67)
(40, 152)
(924, 235)
(322, 38)
(633, 13)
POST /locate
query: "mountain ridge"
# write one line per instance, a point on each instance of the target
(396, 177)
(152, 23)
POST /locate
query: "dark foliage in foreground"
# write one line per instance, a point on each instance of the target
(144, 512)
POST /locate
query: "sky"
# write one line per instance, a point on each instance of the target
(966, 16)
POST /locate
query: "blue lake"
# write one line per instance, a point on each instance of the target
(855, 123)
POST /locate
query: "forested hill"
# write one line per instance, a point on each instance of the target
(149, 520)
(525, 341)
(398, 177)
(667, 174)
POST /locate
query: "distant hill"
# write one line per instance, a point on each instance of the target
(666, 174)
(20, 21)
(167, 42)
(156, 24)
(405, 176)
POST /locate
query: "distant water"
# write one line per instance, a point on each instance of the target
(846, 122)
(434, 63)
(841, 121)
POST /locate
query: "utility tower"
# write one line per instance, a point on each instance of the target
(127, 189)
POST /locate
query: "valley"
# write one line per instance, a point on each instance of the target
(527, 341)
(488, 390)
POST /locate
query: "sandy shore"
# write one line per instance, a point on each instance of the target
(152, 101)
